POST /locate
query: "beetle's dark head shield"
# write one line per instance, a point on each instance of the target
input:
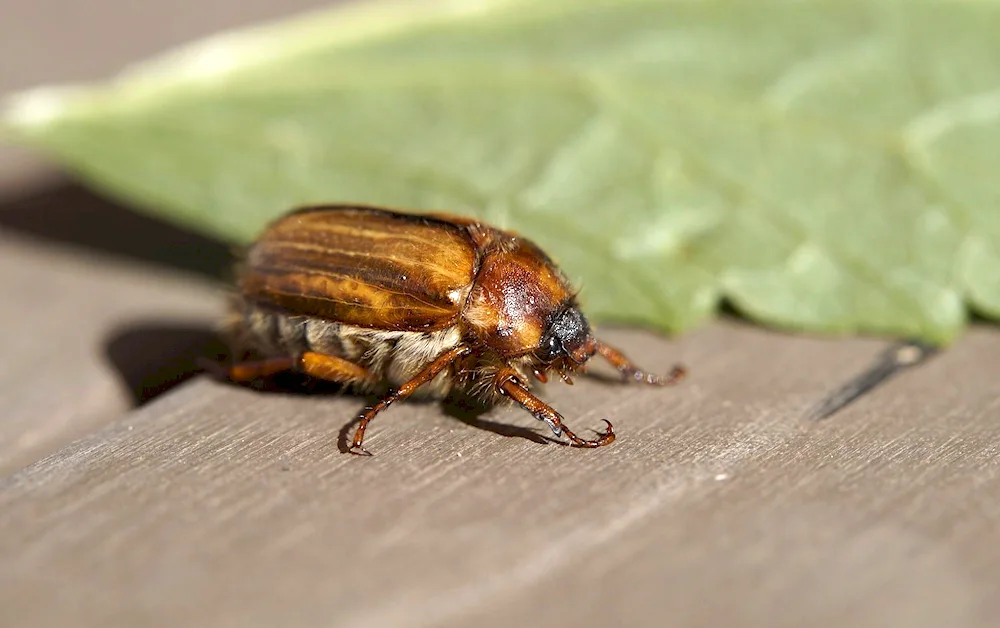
(567, 336)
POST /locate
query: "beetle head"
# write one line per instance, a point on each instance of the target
(568, 337)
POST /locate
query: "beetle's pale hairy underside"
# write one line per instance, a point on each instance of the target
(426, 303)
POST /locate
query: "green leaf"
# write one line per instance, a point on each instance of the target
(823, 165)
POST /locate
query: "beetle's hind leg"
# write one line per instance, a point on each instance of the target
(249, 370)
(507, 385)
(318, 365)
(633, 372)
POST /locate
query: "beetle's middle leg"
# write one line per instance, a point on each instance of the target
(428, 373)
(506, 382)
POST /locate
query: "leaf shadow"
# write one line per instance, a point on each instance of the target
(70, 215)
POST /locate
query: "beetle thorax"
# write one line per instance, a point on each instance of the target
(513, 300)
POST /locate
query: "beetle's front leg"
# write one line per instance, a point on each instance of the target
(633, 372)
(507, 384)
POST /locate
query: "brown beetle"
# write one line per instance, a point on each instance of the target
(366, 296)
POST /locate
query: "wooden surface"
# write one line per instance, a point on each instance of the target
(213, 505)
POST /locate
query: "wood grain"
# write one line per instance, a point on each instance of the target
(718, 505)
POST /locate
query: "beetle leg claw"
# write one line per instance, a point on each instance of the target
(358, 450)
(606, 438)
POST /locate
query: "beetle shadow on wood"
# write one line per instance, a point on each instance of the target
(470, 411)
(69, 215)
(153, 357)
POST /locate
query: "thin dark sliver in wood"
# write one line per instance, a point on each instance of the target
(899, 356)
